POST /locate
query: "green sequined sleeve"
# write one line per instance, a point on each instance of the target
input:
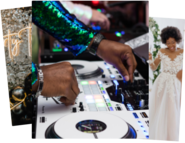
(53, 18)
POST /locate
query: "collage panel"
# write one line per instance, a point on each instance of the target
(112, 89)
(165, 85)
(17, 37)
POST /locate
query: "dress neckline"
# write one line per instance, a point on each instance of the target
(170, 58)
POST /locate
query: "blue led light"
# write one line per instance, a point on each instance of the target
(122, 32)
(104, 92)
(112, 76)
(135, 115)
(107, 66)
(65, 49)
(101, 85)
(116, 82)
(147, 137)
(111, 109)
(107, 100)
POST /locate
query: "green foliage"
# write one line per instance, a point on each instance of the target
(154, 27)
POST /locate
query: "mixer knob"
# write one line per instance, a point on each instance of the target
(136, 74)
(82, 108)
(81, 104)
(103, 76)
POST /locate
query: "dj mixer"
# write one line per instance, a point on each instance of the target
(106, 107)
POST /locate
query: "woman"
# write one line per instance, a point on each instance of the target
(166, 91)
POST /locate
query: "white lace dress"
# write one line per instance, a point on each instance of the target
(164, 100)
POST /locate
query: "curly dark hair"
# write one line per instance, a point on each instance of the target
(172, 32)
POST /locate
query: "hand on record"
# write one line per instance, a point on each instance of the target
(120, 56)
(60, 80)
(101, 19)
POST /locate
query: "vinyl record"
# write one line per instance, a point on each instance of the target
(90, 125)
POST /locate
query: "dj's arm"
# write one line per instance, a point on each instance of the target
(155, 63)
(82, 12)
(53, 18)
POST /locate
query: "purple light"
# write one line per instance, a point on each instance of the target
(65, 49)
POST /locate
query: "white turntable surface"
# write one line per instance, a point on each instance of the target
(116, 127)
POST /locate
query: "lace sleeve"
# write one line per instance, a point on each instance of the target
(155, 63)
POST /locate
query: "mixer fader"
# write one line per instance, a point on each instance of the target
(107, 106)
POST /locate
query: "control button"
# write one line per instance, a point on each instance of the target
(102, 108)
(103, 92)
(74, 109)
(91, 105)
(144, 114)
(93, 109)
(117, 71)
(81, 104)
(120, 76)
(135, 115)
(136, 74)
(105, 82)
(113, 67)
(103, 76)
(119, 109)
(42, 119)
(111, 109)
(109, 104)
(96, 91)
(82, 108)
(141, 103)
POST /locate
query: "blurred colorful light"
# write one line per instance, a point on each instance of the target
(95, 2)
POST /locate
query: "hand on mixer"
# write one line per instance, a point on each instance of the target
(120, 56)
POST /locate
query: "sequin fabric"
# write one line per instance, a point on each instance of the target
(34, 74)
(53, 18)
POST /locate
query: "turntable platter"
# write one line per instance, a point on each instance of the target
(90, 125)
(85, 69)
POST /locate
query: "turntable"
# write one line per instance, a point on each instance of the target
(107, 106)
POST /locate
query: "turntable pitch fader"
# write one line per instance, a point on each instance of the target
(107, 106)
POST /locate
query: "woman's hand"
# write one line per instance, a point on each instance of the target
(150, 56)
(100, 18)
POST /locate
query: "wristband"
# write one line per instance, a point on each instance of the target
(41, 82)
(93, 49)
